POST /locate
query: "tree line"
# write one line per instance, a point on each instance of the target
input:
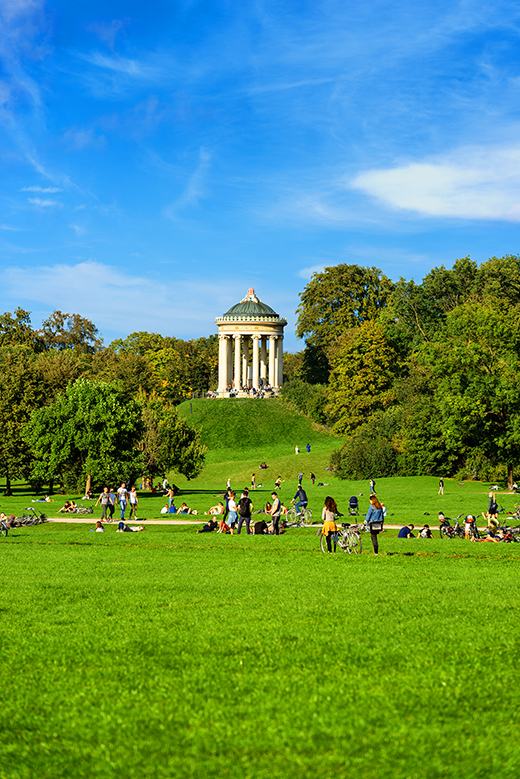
(76, 412)
(416, 378)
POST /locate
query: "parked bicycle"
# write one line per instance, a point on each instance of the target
(31, 517)
(446, 530)
(348, 539)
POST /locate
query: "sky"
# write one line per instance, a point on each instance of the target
(158, 159)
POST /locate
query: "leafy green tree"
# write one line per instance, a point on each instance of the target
(475, 363)
(337, 299)
(307, 398)
(169, 443)
(70, 331)
(88, 434)
(17, 330)
(21, 391)
(364, 367)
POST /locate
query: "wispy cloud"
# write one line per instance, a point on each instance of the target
(12, 229)
(194, 190)
(44, 203)
(469, 183)
(78, 229)
(107, 31)
(307, 273)
(41, 189)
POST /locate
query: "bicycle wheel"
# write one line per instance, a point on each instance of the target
(444, 532)
(291, 517)
(323, 543)
(351, 542)
(3, 530)
(307, 516)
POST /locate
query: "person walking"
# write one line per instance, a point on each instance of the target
(300, 479)
(133, 499)
(253, 482)
(374, 519)
(441, 486)
(275, 512)
(122, 496)
(245, 507)
(104, 498)
(278, 483)
(312, 477)
(372, 485)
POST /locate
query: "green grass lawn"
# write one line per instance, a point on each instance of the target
(172, 654)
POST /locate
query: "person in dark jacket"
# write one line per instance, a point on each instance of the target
(374, 519)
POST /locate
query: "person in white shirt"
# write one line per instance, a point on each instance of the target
(122, 496)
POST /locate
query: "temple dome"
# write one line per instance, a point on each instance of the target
(250, 306)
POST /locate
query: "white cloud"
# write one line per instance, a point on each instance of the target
(470, 183)
(13, 229)
(41, 189)
(123, 65)
(78, 229)
(37, 201)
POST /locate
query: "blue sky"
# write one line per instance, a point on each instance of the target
(157, 159)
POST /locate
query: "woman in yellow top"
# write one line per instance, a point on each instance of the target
(329, 528)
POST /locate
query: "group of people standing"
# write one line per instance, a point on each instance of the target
(123, 497)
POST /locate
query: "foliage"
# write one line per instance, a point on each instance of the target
(69, 331)
(361, 383)
(307, 398)
(338, 298)
(368, 451)
(169, 443)
(21, 391)
(89, 432)
(17, 330)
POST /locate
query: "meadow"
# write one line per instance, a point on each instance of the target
(169, 653)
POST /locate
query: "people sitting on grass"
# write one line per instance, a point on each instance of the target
(493, 535)
(218, 509)
(89, 495)
(124, 528)
(185, 509)
(263, 466)
(425, 532)
(261, 528)
(69, 507)
(406, 532)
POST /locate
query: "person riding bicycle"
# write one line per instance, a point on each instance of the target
(301, 495)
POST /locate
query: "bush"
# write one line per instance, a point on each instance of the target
(305, 397)
(369, 452)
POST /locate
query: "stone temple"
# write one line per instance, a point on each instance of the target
(250, 347)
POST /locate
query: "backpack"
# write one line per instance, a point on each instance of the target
(243, 507)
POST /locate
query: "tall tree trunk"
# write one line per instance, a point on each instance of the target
(8, 490)
(51, 486)
(509, 476)
(88, 484)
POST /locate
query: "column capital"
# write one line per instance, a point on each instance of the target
(222, 336)
(256, 336)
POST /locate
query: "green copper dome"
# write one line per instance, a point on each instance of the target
(250, 306)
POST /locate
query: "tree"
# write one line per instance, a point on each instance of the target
(89, 433)
(70, 331)
(21, 391)
(339, 298)
(169, 443)
(17, 330)
(364, 367)
(475, 363)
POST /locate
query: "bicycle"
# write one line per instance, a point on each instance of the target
(348, 539)
(4, 529)
(295, 518)
(33, 518)
(447, 531)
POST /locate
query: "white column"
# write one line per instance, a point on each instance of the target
(272, 350)
(245, 362)
(280, 360)
(222, 363)
(229, 353)
(263, 358)
(238, 338)
(256, 373)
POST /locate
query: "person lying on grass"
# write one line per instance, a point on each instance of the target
(124, 528)
(46, 499)
(494, 536)
(184, 509)
(69, 507)
(209, 527)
